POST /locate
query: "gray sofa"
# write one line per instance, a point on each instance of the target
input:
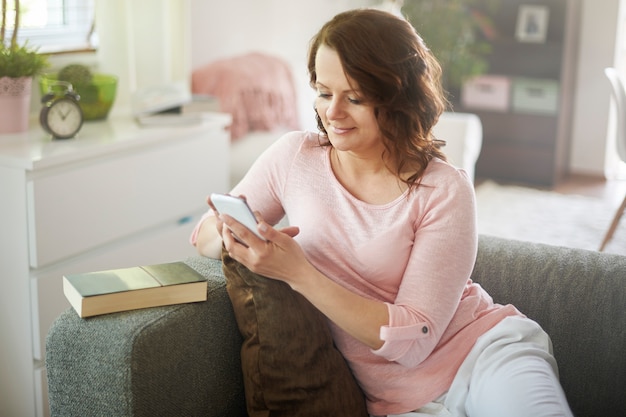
(184, 360)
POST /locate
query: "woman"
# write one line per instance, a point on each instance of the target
(384, 236)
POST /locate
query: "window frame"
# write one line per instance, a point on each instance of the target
(76, 35)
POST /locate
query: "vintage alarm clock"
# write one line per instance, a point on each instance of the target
(61, 115)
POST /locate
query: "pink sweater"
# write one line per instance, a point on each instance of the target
(415, 254)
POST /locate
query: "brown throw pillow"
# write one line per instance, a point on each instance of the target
(290, 364)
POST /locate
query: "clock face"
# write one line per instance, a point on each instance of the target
(63, 118)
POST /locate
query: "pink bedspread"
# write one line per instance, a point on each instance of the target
(258, 90)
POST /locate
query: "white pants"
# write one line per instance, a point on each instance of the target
(510, 372)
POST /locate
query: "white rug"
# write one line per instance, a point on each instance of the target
(547, 217)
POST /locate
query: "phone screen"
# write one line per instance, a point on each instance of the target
(238, 209)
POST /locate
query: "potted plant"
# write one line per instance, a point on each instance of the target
(458, 33)
(18, 65)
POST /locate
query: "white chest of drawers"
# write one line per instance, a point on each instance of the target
(118, 195)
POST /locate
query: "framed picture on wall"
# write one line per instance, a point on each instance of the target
(532, 23)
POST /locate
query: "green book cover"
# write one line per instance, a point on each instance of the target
(174, 273)
(134, 278)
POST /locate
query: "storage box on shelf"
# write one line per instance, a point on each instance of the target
(118, 195)
(487, 92)
(535, 96)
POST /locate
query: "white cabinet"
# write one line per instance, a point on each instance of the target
(116, 196)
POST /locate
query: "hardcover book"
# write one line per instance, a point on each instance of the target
(103, 292)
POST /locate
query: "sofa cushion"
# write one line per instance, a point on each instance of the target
(290, 364)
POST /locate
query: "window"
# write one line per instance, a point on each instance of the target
(55, 25)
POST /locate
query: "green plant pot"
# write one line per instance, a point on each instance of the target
(96, 98)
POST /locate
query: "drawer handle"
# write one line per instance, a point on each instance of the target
(185, 220)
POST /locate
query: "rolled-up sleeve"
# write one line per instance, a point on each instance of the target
(409, 342)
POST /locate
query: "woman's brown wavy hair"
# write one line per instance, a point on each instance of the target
(397, 74)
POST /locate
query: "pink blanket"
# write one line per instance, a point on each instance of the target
(258, 90)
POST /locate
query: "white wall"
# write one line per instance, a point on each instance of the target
(598, 48)
(222, 29)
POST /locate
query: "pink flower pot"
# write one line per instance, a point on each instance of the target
(14, 104)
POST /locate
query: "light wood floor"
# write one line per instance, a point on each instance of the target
(613, 191)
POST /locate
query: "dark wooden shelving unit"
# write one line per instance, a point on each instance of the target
(524, 145)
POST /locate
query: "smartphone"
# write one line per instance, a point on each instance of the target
(238, 209)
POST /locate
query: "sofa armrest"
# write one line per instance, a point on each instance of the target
(174, 360)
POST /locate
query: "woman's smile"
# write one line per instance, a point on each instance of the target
(341, 130)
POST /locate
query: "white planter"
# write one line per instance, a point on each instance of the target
(14, 104)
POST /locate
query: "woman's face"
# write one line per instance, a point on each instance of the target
(348, 119)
